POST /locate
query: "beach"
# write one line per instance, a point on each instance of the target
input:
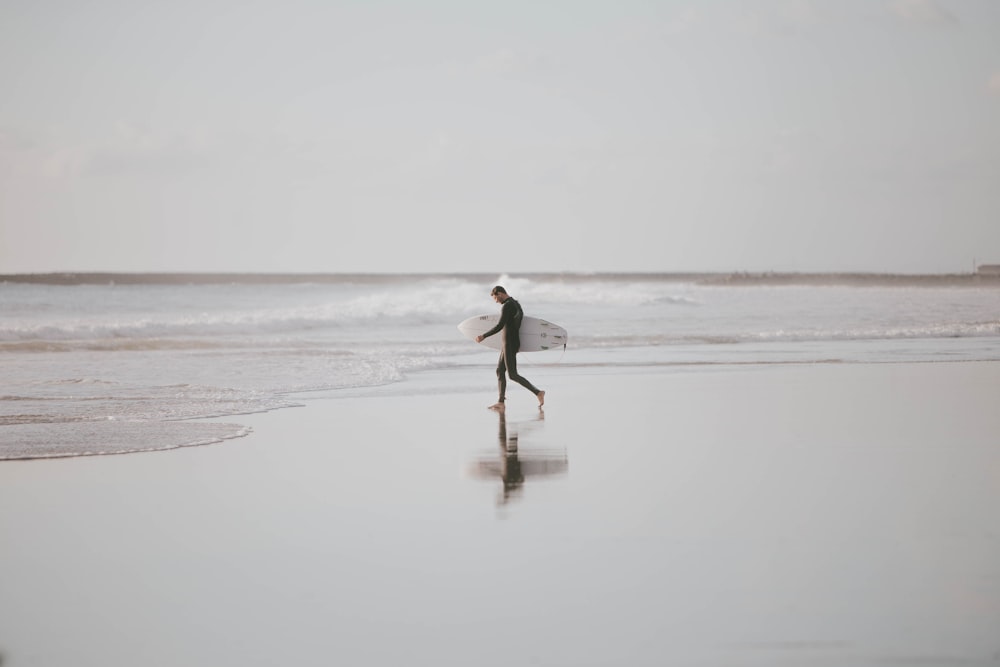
(747, 514)
(250, 254)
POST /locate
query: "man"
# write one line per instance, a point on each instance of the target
(510, 326)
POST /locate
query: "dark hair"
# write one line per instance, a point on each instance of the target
(497, 290)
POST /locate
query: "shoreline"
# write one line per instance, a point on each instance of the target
(40, 441)
(43, 440)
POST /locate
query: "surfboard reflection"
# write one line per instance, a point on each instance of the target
(514, 465)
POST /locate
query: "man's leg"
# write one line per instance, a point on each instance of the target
(501, 382)
(511, 358)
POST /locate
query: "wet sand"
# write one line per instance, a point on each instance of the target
(754, 515)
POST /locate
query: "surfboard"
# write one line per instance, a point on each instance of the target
(536, 335)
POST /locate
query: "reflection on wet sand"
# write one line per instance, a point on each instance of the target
(514, 464)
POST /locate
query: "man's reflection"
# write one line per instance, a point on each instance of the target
(510, 470)
(514, 465)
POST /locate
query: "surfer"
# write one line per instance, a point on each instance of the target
(510, 326)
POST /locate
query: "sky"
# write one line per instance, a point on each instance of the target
(514, 136)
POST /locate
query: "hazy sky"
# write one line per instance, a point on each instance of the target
(311, 135)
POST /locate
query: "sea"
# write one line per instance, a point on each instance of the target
(115, 363)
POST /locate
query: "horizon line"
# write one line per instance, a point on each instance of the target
(990, 273)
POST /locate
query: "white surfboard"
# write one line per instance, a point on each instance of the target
(536, 335)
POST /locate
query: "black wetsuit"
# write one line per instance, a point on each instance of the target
(510, 326)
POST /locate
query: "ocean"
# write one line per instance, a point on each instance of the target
(126, 363)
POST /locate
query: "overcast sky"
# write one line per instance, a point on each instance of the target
(672, 135)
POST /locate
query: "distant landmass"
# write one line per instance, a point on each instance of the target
(986, 275)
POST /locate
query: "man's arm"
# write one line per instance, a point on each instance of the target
(505, 315)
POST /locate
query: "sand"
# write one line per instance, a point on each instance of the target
(756, 515)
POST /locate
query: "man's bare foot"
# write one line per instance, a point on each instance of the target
(541, 398)
(499, 407)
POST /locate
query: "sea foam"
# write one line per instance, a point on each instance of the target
(110, 358)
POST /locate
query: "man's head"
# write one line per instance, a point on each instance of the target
(499, 294)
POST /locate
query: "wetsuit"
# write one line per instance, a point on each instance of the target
(510, 326)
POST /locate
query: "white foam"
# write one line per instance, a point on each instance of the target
(88, 354)
(31, 441)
